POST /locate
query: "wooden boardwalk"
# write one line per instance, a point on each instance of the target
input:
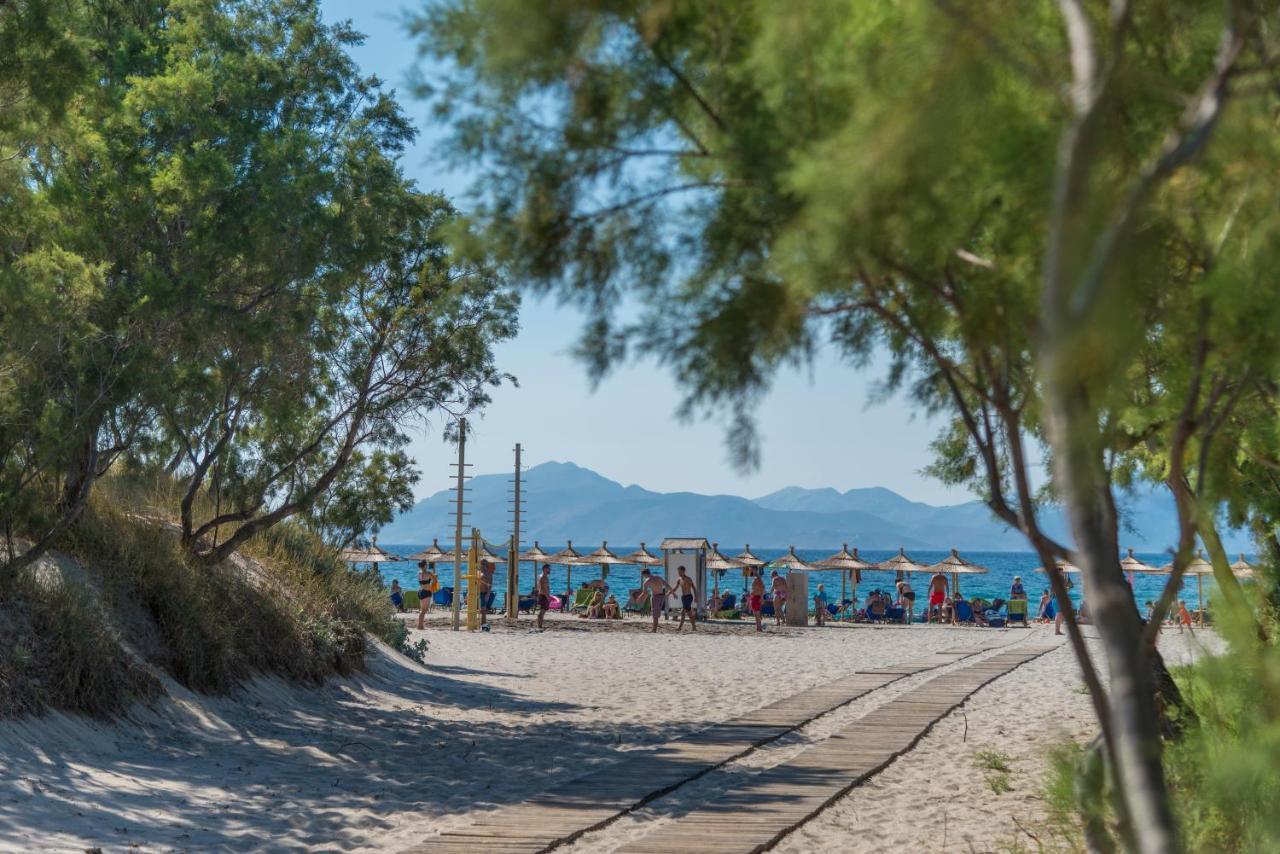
(570, 809)
(756, 814)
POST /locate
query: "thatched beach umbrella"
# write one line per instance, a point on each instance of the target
(1199, 567)
(901, 563)
(1131, 564)
(848, 563)
(604, 558)
(718, 563)
(957, 566)
(790, 560)
(1064, 566)
(373, 554)
(642, 557)
(430, 554)
(568, 557)
(748, 561)
(1242, 568)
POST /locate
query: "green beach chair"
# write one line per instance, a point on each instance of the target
(582, 598)
(411, 600)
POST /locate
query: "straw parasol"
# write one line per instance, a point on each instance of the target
(790, 560)
(848, 563)
(430, 554)
(1131, 564)
(604, 558)
(535, 554)
(568, 557)
(1242, 568)
(718, 563)
(1064, 566)
(373, 554)
(643, 557)
(1199, 567)
(901, 563)
(749, 562)
(957, 566)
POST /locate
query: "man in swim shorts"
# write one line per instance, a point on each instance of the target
(757, 600)
(688, 596)
(542, 590)
(937, 595)
(657, 588)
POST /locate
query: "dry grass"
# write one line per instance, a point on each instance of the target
(285, 607)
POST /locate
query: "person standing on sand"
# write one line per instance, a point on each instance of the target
(688, 599)
(657, 589)
(907, 601)
(779, 585)
(937, 595)
(820, 606)
(757, 600)
(542, 590)
(486, 588)
(426, 589)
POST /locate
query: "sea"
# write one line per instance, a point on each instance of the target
(1001, 567)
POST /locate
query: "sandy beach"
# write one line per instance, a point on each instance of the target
(381, 761)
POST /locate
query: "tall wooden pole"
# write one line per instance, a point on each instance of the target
(513, 568)
(457, 530)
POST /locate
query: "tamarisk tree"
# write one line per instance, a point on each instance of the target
(1013, 207)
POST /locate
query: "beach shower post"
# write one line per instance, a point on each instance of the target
(513, 565)
(457, 530)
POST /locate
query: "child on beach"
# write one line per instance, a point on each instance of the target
(820, 606)
(397, 595)
(1184, 617)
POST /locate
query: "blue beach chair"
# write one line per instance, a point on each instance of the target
(964, 612)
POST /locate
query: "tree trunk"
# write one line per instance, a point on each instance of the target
(1085, 488)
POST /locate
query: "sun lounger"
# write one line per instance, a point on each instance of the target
(963, 612)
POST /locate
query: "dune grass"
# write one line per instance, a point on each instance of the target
(286, 606)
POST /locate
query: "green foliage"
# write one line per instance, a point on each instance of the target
(991, 760)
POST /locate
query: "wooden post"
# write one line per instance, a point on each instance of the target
(513, 568)
(473, 581)
(457, 529)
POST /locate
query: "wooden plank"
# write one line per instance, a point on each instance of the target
(587, 803)
(756, 814)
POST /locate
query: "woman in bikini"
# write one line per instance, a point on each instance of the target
(428, 583)
(779, 596)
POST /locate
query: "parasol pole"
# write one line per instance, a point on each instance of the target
(457, 527)
(1200, 596)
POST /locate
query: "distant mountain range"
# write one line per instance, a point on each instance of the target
(565, 501)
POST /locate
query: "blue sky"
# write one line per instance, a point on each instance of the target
(818, 427)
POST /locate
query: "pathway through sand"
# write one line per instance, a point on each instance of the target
(746, 813)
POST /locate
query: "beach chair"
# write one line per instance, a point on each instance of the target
(527, 603)
(411, 600)
(1016, 611)
(894, 614)
(729, 602)
(443, 596)
(582, 599)
(963, 612)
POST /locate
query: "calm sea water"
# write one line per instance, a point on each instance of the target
(1001, 566)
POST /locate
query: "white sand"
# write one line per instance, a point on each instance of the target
(380, 761)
